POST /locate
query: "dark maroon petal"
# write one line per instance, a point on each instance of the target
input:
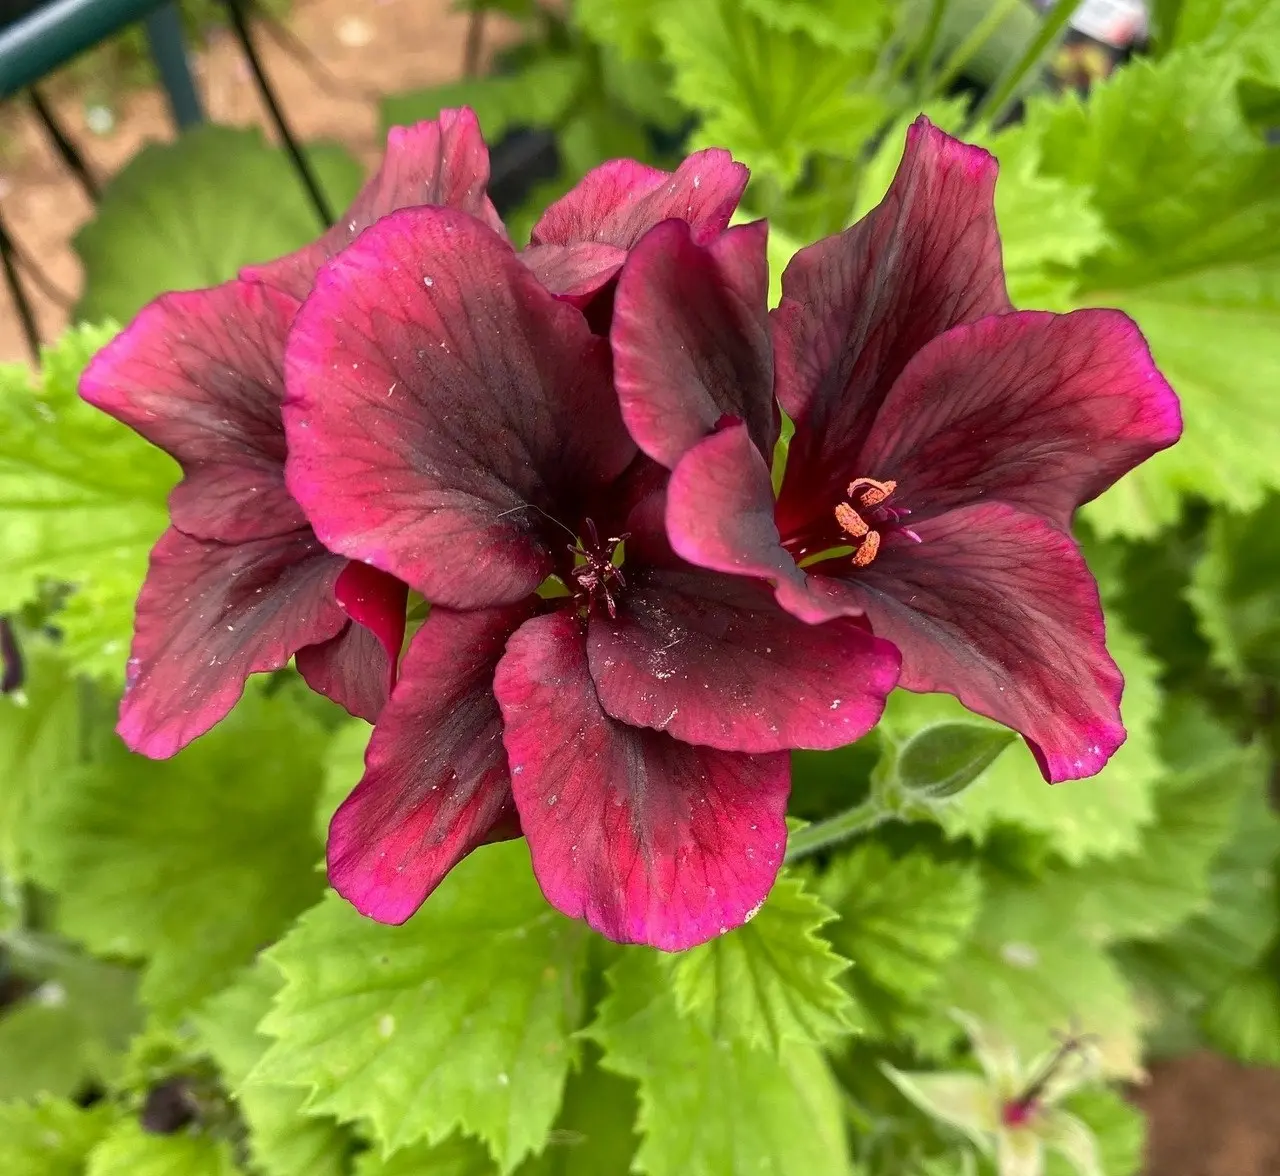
(209, 615)
(444, 161)
(619, 201)
(998, 608)
(444, 408)
(199, 374)
(857, 306)
(649, 839)
(713, 660)
(574, 272)
(357, 668)
(690, 339)
(1039, 410)
(720, 517)
(435, 783)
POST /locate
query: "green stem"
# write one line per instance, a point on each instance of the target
(860, 819)
(977, 37)
(928, 43)
(1006, 86)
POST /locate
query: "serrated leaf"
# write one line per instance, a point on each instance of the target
(1235, 591)
(189, 214)
(536, 96)
(194, 863)
(833, 23)
(1146, 895)
(71, 1029)
(1243, 1020)
(283, 1140)
(624, 25)
(1190, 200)
(82, 499)
(769, 96)
(900, 919)
(129, 1151)
(461, 1019)
(593, 1136)
(1203, 955)
(49, 1137)
(710, 1106)
(1101, 817)
(1028, 981)
(457, 1156)
(770, 981)
(36, 746)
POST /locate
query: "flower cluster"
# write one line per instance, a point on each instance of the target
(566, 451)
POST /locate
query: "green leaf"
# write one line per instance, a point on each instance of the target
(1028, 980)
(1204, 954)
(1101, 817)
(38, 745)
(1146, 895)
(770, 981)
(941, 761)
(1235, 592)
(1118, 1127)
(130, 1151)
(193, 863)
(769, 96)
(343, 766)
(190, 214)
(1190, 200)
(457, 1156)
(900, 919)
(461, 1019)
(283, 1140)
(830, 23)
(71, 1029)
(1243, 1020)
(709, 1106)
(594, 1135)
(49, 1137)
(536, 96)
(82, 499)
(624, 25)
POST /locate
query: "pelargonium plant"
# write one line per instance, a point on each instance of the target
(567, 453)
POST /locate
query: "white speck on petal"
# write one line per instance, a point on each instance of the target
(386, 1025)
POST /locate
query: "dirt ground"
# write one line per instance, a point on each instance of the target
(368, 47)
(1211, 1117)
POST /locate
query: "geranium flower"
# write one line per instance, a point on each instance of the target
(455, 425)
(942, 443)
(239, 583)
(581, 240)
(1011, 1111)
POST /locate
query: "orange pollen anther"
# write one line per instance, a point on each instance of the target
(868, 493)
(867, 550)
(873, 493)
(851, 522)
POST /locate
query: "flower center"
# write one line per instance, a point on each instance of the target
(866, 516)
(596, 576)
(1018, 1112)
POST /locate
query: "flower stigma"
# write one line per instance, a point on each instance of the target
(596, 574)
